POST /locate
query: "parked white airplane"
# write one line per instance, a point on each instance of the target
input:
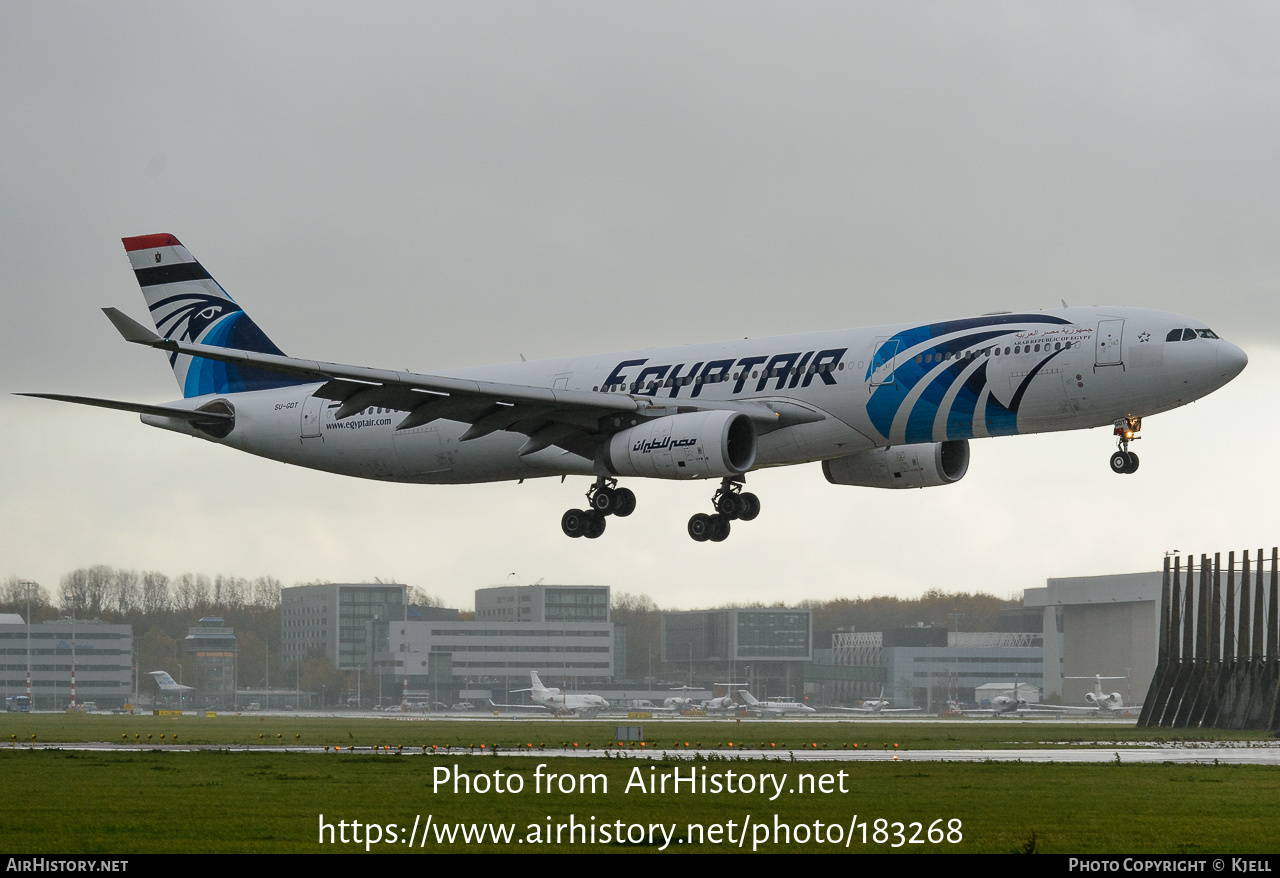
(775, 706)
(879, 706)
(723, 704)
(167, 684)
(1002, 705)
(1012, 704)
(679, 703)
(885, 407)
(557, 700)
(1105, 702)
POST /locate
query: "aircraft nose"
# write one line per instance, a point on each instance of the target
(1231, 360)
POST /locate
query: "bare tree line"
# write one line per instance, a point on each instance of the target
(92, 592)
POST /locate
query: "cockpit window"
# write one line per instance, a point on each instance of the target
(1188, 334)
(1206, 333)
(1174, 335)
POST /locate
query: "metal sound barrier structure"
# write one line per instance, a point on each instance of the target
(1219, 655)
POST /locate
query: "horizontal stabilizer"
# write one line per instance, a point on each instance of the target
(164, 411)
(131, 329)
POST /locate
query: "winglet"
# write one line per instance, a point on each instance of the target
(131, 329)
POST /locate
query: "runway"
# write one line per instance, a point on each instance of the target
(1243, 753)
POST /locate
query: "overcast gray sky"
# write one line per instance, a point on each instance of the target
(431, 185)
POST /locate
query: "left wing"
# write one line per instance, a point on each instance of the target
(575, 420)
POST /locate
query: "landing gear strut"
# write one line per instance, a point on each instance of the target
(603, 498)
(730, 503)
(1125, 461)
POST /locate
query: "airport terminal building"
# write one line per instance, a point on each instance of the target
(926, 666)
(337, 620)
(561, 631)
(101, 656)
(767, 648)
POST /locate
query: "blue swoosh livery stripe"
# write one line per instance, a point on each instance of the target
(887, 399)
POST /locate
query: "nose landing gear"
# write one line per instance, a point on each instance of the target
(603, 498)
(1124, 461)
(730, 503)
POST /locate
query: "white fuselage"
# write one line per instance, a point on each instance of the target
(782, 708)
(1006, 704)
(555, 699)
(868, 388)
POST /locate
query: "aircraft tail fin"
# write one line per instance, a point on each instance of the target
(187, 304)
(748, 697)
(537, 682)
(167, 683)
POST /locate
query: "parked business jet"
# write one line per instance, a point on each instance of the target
(725, 704)
(775, 706)
(1103, 702)
(877, 706)
(559, 701)
(884, 407)
(1008, 704)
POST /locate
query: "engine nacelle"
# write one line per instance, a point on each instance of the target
(710, 444)
(901, 466)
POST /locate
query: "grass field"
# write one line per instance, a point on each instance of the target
(119, 802)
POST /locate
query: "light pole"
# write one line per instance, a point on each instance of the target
(30, 586)
(74, 599)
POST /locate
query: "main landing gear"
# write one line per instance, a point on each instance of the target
(730, 503)
(603, 499)
(1125, 461)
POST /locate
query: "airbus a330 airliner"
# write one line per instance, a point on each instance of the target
(884, 407)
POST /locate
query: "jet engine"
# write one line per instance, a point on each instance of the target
(901, 466)
(1113, 698)
(711, 444)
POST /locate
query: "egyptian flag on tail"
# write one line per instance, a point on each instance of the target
(188, 305)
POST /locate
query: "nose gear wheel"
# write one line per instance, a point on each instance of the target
(1124, 461)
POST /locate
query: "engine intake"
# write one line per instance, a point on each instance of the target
(711, 444)
(901, 466)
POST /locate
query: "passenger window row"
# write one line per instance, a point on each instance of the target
(989, 352)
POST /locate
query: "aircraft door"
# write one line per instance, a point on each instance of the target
(884, 358)
(1110, 335)
(312, 410)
